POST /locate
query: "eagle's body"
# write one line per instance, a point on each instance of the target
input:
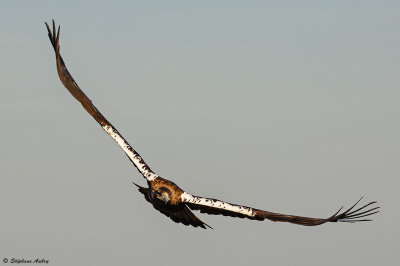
(167, 189)
(166, 196)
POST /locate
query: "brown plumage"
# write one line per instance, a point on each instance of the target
(177, 211)
(166, 196)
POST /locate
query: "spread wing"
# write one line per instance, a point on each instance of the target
(214, 206)
(178, 214)
(78, 94)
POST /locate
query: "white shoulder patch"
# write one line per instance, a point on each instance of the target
(143, 168)
(217, 204)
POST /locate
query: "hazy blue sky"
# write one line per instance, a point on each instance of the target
(286, 106)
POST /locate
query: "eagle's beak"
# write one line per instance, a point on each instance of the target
(164, 198)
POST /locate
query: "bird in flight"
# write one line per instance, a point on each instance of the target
(171, 200)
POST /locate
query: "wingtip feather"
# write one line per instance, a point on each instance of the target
(355, 215)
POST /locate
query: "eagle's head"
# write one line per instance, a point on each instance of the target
(163, 194)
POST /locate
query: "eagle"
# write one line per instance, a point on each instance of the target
(167, 197)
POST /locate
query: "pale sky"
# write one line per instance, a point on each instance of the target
(285, 106)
